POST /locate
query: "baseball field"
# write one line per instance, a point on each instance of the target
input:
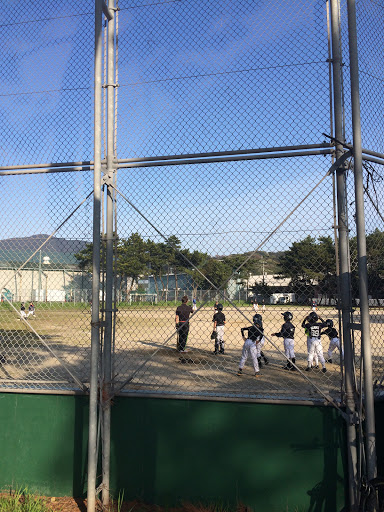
(49, 350)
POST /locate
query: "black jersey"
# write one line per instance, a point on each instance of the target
(254, 333)
(183, 311)
(331, 332)
(313, 330)
(287, 331)
(219, 318)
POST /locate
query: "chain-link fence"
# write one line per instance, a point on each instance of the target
(223, 160)
(222, 194)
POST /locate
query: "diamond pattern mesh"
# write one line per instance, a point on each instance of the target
(255, 235)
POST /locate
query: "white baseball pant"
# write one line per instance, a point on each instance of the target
(220, 334)
(249, 349)
(315, 358)
(289, 345)
(333, 344)
(315, 347)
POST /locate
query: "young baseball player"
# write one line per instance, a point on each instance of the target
(334, 341)
(254, 336)
(194, 305)
(315, 363)
(218, 326)
(255, 306)
(314, 324)
(258, 319)
(287, 332)
(31, 309)
(23, 314)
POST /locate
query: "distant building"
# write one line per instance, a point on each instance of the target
(49, 274)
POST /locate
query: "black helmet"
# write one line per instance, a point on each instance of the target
(329, 322)
(219, 307)
(313, 317)
(258, 319)
(287, 316)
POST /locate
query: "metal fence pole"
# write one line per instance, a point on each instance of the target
(95, 330)
(370, 438)
(344, 259)
(109, 259)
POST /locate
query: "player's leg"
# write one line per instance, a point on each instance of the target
(220, 338)
(331, 348)
(291, 345)
(244, 356)
(338, 345)
(319, 350)
(216, 351)
(253, 354)
(287, 365)
(311, 352)
(259, 351)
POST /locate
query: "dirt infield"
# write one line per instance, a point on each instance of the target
(146, 360)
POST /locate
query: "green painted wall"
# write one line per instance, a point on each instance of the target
(271, 457)
(43, 441)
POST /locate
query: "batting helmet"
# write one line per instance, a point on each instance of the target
(287, 316)
(313, 317)
(220, 307)
(258, 320)
(329, 322)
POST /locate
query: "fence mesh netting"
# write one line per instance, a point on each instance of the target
(222, 145)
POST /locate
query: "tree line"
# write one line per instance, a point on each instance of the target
(136, 257)
(309, 264)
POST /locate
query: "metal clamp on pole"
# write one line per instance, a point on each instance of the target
(108, 177)
(98, 324)
(105, 86)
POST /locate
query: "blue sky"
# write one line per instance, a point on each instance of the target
(193, 77)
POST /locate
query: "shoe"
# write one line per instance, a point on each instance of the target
(240, 372)
(317, 367)
(329, 361)
(215, 352)
(221, 351)
(266, 361)
(257, 374)
(324, 370)
(286, 367)
(308, 369)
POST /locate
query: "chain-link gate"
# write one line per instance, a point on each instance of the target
(222, 172)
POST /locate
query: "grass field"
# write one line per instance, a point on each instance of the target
(145, 355)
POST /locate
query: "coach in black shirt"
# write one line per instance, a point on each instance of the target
(182, 323)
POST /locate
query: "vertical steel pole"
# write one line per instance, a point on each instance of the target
(95, 328)
(370, 437)
(39, 299)
(344, 260)
(109, 259)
